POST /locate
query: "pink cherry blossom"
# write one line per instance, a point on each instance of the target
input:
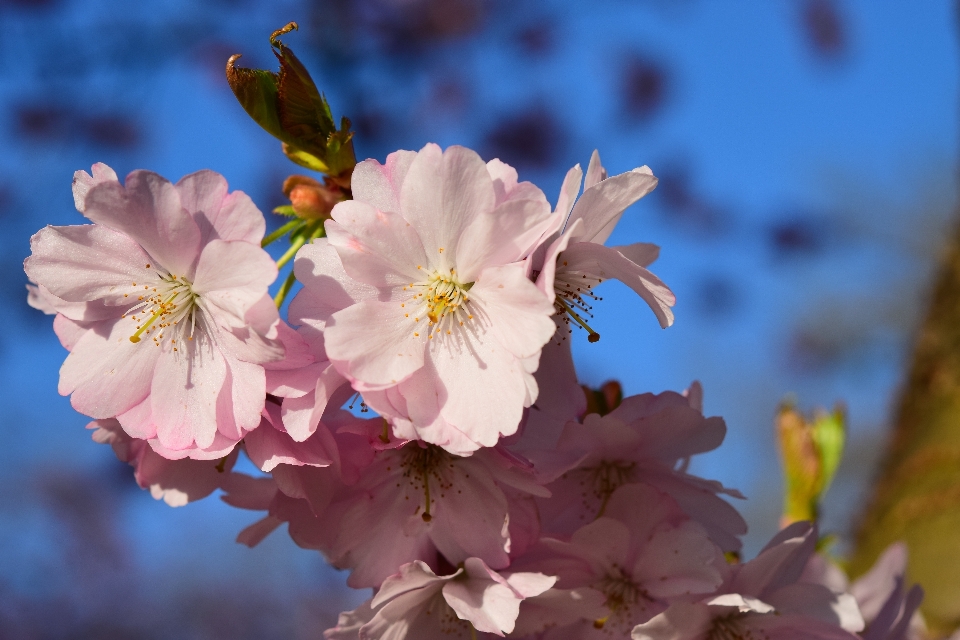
(763, 598)
(570, 264)
(648, 439)
(417, 501)
(165, 308)
(424, 304)
(417, 603)
(176, 482)
(641, 555)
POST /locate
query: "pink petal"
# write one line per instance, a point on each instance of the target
(455, 183)
(641, 253)
(184, 393)
(326, 286)
(239, 411)
(147, 208)
(83, 182)
(606, 262)
(518, 317)
(269, 447)
(483, 390)
(506, 234)
(178, 482)
(379, 184)
(602, 204)
(106, 374)
(681, 621)
(595, 170)
(412, 576)
(254, 534)
(568, 192)
(559, 608)
(302, 415)
(68, 331)
(246, 492)
(87, 262)
(236, 269)
(678, 561)
(374, 343)
(874, 587)
(219, 214)
(375, 247)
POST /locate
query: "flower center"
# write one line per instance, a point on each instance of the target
(442, 299)
(573, 293)
(728, 628)
(168, 303)
(625, 600)
(606, 477)
(422, 463)
(620, 590)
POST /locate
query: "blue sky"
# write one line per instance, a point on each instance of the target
(855, 151)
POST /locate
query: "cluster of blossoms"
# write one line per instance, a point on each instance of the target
(484, 498)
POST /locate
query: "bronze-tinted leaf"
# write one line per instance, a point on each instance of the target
(256, 91)
(288, 105)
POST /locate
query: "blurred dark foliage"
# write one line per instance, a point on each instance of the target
(684, 207)
(823, 27)
(798, 236)
(530, 139)
(537, 39)
(30, 4)
(644, 87)
(46, 122)
(716, 296)
(395, 26)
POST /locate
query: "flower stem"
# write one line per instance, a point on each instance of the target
(292, 251)
(285, 289)
(311, 231)
(290, 227)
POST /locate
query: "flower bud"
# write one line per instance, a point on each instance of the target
(311, 200)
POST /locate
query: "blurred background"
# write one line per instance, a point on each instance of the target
(807, 155)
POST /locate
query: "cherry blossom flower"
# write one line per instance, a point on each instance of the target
(417, 603)
(763, 598)
(166, 312)
(417, 501)
(642, 555)
(647, 439)
(570, 264)
(424, 304)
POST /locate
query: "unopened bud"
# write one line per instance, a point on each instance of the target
(311, 200)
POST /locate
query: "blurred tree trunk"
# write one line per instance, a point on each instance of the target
(917, 496)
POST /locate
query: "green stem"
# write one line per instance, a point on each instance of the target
(285, 289)
(291, 226)
(292, 251)
(311, 234)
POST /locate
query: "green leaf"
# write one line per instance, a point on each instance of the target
(829, 434)
(256, 91)
(288, 105)
(285, 210)
(305, 159)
